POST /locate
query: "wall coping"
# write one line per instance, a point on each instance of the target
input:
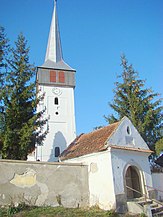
(159, 172)
(42, 163)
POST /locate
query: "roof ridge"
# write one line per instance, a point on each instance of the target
(92, 132)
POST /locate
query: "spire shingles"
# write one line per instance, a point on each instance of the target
(54, 57)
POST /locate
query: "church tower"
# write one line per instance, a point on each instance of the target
(56, 80)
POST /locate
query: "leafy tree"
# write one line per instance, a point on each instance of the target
(141, 105)
(23, 126)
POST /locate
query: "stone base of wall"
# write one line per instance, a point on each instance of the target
(121, 203)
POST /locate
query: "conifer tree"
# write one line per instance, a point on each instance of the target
(3, 55)
(23, 126)
(141, 105)
(159, 147)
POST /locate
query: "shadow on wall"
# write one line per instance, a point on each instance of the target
(59, 145)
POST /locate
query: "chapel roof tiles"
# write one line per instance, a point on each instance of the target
(89, 143)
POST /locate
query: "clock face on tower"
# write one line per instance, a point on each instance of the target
(57, 91)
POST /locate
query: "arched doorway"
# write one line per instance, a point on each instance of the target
(133, 183)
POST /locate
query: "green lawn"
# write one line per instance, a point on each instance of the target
(55, 212)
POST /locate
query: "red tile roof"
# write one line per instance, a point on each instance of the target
(89, 143)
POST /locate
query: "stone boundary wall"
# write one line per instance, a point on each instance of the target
(42, 183)
(158, 185)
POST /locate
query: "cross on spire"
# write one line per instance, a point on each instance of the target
(55, 2)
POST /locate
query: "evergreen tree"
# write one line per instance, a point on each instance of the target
(3, 55)
(159, 146)
(23, 126)
(141, 105)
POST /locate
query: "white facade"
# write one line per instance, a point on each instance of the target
(61, 121)
(101, 182)
(127, 136)
(107, 172)
(158, 184)
(108, 179)
(121, 161)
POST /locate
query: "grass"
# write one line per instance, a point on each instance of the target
(55, 212)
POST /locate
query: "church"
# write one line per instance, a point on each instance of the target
(56, 80)
(116, 155)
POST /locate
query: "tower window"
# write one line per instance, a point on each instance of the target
(56, 102)
(61, 77)
(57, 151)
(52, 76)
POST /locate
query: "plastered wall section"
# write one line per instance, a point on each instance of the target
(158, 185)
(61, 121)
(42, 184)
(101, 186)
(121, 160)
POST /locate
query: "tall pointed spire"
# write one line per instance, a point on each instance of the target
(54, 57)
(54, 50)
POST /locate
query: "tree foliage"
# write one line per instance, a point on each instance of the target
(23, 126)
(3, 55)
(159, 146)
(141, 105)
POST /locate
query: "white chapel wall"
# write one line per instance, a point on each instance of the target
(101, 186)
(121, 159)
(158, 185)
(127, 136)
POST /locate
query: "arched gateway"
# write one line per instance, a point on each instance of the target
(133, 183)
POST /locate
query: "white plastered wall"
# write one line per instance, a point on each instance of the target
(121, 160)
(121, 136)
(101, 186)
(61, 123)
(158, 184)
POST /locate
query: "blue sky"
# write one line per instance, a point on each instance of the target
(94, 34)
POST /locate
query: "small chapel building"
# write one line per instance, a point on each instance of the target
(118, 165)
